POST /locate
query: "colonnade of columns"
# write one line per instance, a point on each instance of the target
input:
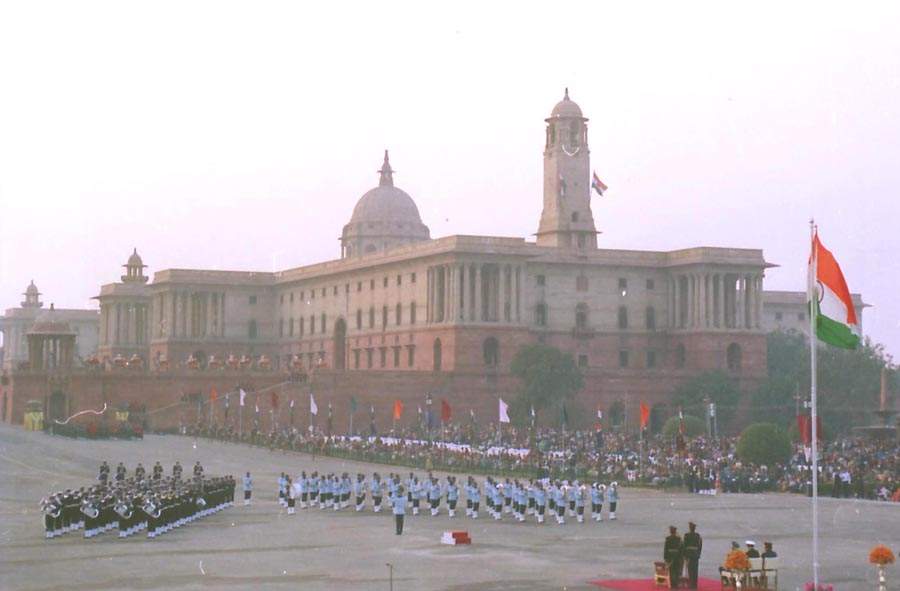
(50, 351)
(474, 292)
(125, 323)
(189, 314)
(708, 300)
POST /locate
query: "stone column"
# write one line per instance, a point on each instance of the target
(222, 314)
(478, 303)
(448, 293)
(515, 294)
(704, 300)
(759, 300)
(428, 288)
(209, 314)
(676, 300)
(190, 315)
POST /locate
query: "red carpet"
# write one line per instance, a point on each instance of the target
(648, 585)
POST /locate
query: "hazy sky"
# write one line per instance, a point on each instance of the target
(240, 135)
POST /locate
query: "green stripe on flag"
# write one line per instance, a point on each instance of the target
(835, 333)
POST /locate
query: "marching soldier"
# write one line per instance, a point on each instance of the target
(398, 503)
(248, 489)
(673, 554)
(693, 545)
(139, 472)
(157, 471)
(177, 470)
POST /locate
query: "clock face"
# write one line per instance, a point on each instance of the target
(571, 138)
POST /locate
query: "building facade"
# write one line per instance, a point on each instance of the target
(400, 314)
(16, 323)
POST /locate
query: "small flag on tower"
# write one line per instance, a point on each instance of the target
(243, 395)
(597, 185)
(313, 409)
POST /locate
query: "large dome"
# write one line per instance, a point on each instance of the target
(386, 203)
(566, 108)
(384, 217)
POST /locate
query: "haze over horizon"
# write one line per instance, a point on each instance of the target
(240, 136)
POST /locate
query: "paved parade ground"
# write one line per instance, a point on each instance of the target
(261, 547)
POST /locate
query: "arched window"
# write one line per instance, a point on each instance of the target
(581, 316)
(340, 344)
(358, 319)
(371, 248)
(371, 317)
(680, 356)
(574, 216)
(436, 354)
(491, 351)
(399, 314)
(623, 318)
(384, 315)
(650, 317)
(540, 314)
(412, 312)
(733, 357)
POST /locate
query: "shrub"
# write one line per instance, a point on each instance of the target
(764, 443)
(693, 427)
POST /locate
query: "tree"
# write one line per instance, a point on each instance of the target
(693, 427)
(716, 386)
(764, 443)
(549, 379)
(848, 381)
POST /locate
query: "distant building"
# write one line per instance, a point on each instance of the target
(789, 311)
(401, 314)
(16, 323)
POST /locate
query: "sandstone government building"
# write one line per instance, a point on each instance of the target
(401, 314)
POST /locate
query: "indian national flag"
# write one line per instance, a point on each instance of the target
(836, 322)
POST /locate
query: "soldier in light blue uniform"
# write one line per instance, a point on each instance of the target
(303, 485)
(540, 502)
(359, 490)
(580, 495)
(248, 488)
(434, 497)
(314, 490)
(415, 493)
(559, 498)
(507, 496)
(377, 491)
(398, 503)
(597, 494)
(612, 496)
(452, 496)
(529, 492)
(282, 489)
(475, 495)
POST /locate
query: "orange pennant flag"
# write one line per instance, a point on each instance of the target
(645, 415)
(398, 410)
(213, 394)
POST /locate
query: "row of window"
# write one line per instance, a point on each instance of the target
(582, 317)
(385, 310)
(369, 356)
(323, 292)
(582, 284)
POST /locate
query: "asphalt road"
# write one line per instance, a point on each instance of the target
(261, 547)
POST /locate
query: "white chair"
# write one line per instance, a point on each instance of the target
(770, 571)
(755, 574)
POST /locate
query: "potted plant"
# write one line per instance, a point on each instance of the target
(881, 556)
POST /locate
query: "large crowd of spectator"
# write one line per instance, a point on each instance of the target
(848, 467)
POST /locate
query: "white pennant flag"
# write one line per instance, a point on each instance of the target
(243, 394)
(292, 403)
(504, 411)
(313, 409)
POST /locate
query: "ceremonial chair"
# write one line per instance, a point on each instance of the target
(661, 574)
(769, 571)
(755, 574)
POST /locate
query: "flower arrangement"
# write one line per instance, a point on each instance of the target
(881, 555)
(737, 560)
(810, 586)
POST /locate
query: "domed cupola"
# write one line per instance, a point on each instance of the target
(134, 269)
(32, 296)
(383, 218)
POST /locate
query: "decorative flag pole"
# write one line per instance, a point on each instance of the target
(813, 300)
(833, 320)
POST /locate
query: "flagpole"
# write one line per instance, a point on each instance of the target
(812, 292)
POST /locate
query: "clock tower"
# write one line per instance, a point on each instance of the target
(567, 220)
